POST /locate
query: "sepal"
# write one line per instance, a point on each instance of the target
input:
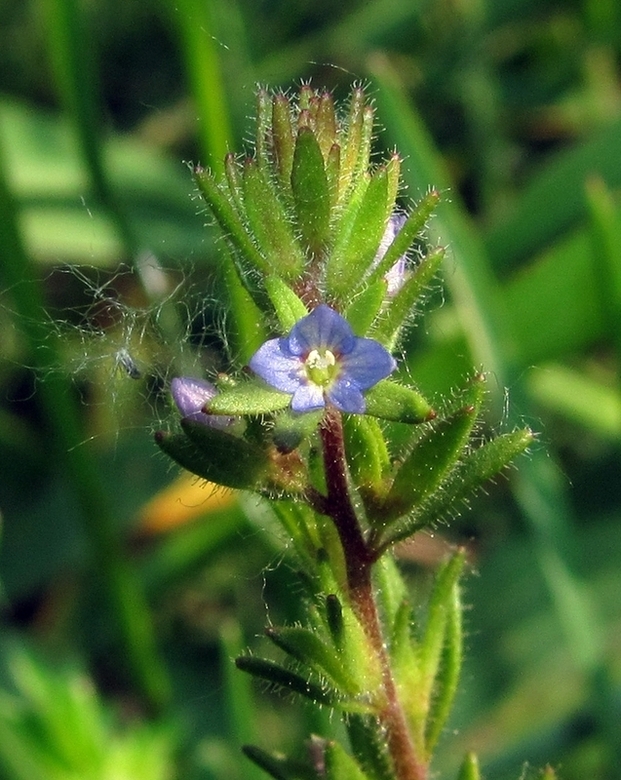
(248, 398)
(291, 429)
(397, 403)
(215, 456)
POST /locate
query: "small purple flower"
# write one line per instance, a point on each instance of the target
(322, 361)
(190, 396)
(395, 277)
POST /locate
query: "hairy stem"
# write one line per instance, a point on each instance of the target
(359, 559)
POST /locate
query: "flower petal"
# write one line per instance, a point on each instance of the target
(273, 363)
(308, 398)
(323, 328)
(395, 276)
(190, 396)
(346, 396)
(367, 363)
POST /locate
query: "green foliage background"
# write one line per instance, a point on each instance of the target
(124, 637)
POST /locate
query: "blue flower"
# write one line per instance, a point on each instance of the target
(321, 361)
(190, 396)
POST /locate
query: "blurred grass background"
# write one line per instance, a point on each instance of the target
(126, 588)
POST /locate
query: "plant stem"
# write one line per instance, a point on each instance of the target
(359, 558)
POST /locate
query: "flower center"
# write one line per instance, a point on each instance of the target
(321, 367)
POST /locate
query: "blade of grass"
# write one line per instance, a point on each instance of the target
(550, 203)
(199, 48)
(74, 70)
(125, 598)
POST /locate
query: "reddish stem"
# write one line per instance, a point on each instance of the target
(359, 559)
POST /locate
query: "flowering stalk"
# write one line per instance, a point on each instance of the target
(359, 559)
(320, 245)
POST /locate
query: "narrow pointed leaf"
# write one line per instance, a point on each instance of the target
(284, 678)
(288, 307)
(228, 219)
(305, 646)
(391, 401)
(432, 457)
(368, 743)
(478, 467)
(283, 139)
(311, 195)
(447, 678)
(411, 230)
(270, 223)
(441, 609)
(248, 398)
(351, 144)
(339, 765)
(469, 769)
(358, 245)
(364, 308)
(388, 326)
(277, 766)
(219, 457)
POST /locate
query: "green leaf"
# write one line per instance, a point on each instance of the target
(469, 769)
(310, 192)
(363, 309)
(339, 765)
(447, 677)
(440, 650)
(215, 456)
(358, 239)
(368, 743)
(432, 457)
(411, 230)
(474, 470)
(288, 307)
(278, 766)
(306, 646)
(284, 678)
(391, 401)
(290, 429)
(283, 139)
(248, 398)
(352, 153)
(366, 450)
(388, 326)
(270, 223)
(224, 210)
